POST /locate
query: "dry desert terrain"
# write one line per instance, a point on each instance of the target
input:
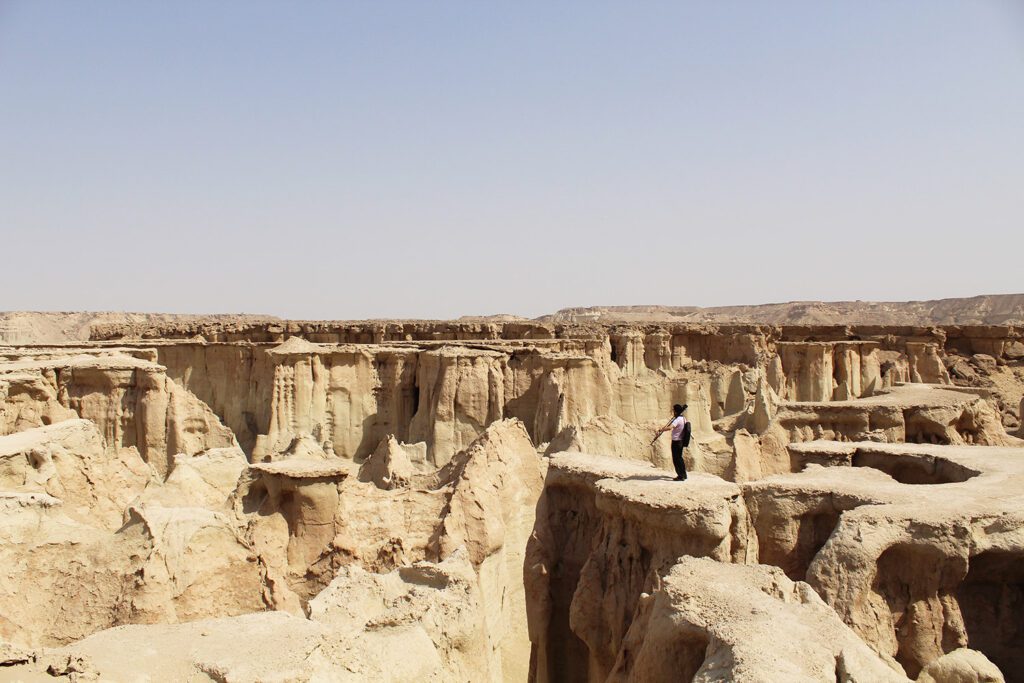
(243, 498)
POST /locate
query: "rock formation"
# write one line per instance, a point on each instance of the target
(482, 499)
(996, 309)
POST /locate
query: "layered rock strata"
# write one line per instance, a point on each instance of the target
(130, 399)
(915, 548)
(322, 492)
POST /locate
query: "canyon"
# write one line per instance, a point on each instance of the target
(243, 498)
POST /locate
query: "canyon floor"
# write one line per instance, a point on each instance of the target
(242, 498)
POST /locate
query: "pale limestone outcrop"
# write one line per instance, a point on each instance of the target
(808, 369)
(627, 351)
(727, 393)
(417, 623)
(347, 398)
(204, 481)
(69, 461)
(29, 399)
(176, 587)
(710, 621)
(304, 447)
(335, 495)
(269, 646)
(793, 519)
(900, 540)
(857, 370)
(626, 429)
(825, 371)
(605, 520)
(766, 405)
(961, 666)
(907, 413)
(191, 426)
(460, 393)
(446, 396)
(77, 573)
(551, 384)
(571, 389)
(928, 566)
(613, 436)
(306, 519)
(926, 364)
(396, 465)
(476, 519)
(495, 486)
(130, 400)
(85, 579)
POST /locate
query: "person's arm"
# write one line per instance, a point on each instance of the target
(665, 428)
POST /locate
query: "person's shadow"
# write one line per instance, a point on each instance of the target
(651, 477)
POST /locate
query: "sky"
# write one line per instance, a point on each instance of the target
(349, 160)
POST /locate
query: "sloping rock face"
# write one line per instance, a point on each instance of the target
(131, 401)
(287, 500)
(307, 519)
(434, 572)
(997, 309)
(925, 574)
(418, 623)
(606, 529)
(64, 580)
(913, 550)
(349, 385)
(69, 461)
(710, 621)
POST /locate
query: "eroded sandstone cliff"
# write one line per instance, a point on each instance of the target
(290, 499)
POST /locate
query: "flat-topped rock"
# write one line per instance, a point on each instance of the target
(995, 463)
(697, 493)
(900, 396)
(296, 468)
(862, 484)
(113, 361)
(585, 469)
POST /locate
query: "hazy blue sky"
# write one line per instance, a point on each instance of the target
(428, 159)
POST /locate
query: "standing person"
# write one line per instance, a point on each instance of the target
(680, 427)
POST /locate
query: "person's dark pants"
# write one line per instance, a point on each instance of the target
(677, 459)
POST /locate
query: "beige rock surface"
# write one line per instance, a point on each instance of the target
(417, 623)
(68, 460)
(205, 481)
(961, 666)
(130, 399)
(34, 327)
(63, 580)
(997, 309)
(396, 465)
(605, 529)
(263, 500)
(710, 621)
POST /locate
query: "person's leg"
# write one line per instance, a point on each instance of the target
(677, 459)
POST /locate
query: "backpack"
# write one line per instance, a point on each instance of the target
(686, 434)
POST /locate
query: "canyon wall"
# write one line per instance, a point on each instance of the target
(488, 498)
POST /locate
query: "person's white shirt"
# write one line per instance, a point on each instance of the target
(677, 428)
